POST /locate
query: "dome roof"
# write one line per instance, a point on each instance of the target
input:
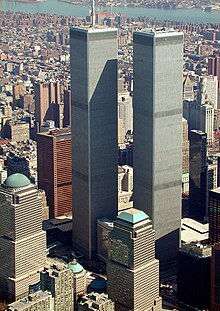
(98, 284)
(17, 180)
(75, 267)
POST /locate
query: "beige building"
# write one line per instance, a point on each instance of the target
(185, 147)
(125, 187)
(132, 270)
(42, 301)
(58, 279)
(22, 241)
(95, 301)
(79, 279)
(18, 131)
(45, 207)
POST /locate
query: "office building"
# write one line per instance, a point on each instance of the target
(188, 90)
(79, 280)
(40, 300)
(198, 175)
(22, 241)
(194, 275)
(95, 301)
(185, 147)
(16, 131)
(54, 164)
(67, 108)
(200, 117)
(94, 132)
(132, 270)
(59, 281)
(104, 227)
(215, 280)
(214, 216)
(157, 104)
(125, 187)
(125, 111)
(41, 91)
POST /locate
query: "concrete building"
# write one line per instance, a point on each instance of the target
(193, 275)
(59, 281)
(125, 187)
(104, 227)
(96, 301)
(125, 110)
(54, 158)
(157, 104)
(79, 280)
(3, 176)
(185, 147)
(17, 131)
(212, 90)
(94, 132)
(40, 300)
(132, 270)
(67, 108)
(22, 241)
(198, 175)
(188, 91)
(200, 117)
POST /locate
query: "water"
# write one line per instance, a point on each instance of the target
(57, 7)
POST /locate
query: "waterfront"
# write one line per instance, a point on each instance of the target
(58, 7)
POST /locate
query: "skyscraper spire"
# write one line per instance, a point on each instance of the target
(93, 12)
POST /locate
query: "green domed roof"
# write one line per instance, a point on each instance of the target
(17, 181)
(75, 267)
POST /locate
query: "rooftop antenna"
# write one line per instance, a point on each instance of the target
(93, 13)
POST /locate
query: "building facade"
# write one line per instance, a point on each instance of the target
(54, 162)
(157, 105)
(22, 240)
(59, 281)
(132, 270)
(94, 132)
(214, 216)
(198, 175)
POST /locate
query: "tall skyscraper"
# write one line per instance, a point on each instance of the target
(214, 216)
(198, 175)
(94, 132)
(41, 91)
(54, 162)
(215, 279)
(133, 271)
(185, 147)
(157, 105)
(22, 240)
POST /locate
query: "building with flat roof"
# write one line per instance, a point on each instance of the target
(22, 240)
(214, 216)
(157, 106)
(194, 275)
(95, 301)
(94, 132)
(58, 279)
(40, 300)
(54, 162)
(132, 270)
(192, 230)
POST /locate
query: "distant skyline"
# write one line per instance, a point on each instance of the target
(58, 7)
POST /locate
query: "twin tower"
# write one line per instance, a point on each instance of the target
(157, 106)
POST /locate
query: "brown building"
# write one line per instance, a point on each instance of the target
(215, 279)
(54, 92)
(18, 131)
(214, 215)
(41, 101)
(54, 160)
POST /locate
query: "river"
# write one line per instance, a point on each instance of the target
(58, 7)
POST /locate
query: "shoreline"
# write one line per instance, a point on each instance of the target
(132, 6)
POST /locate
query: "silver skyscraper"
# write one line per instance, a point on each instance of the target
(94, 132)
(158, 133)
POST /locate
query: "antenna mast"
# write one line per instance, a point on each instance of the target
(93, 12)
